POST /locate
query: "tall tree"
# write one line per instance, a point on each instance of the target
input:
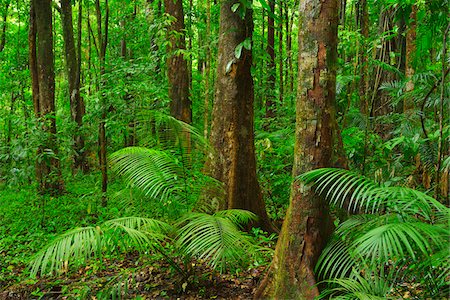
(408, 103)
(177, 69)
(73, 76)
(4, 24)
(102, 36)
(270, 100)
(307, 224)
(232, 136)
(40, 40)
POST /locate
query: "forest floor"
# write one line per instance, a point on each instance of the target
(28, 222)
(137, 278)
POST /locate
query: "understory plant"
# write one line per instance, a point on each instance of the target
(398, 238)
(164, 172)
(215, 238)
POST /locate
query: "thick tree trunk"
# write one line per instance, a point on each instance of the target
(232, 136)
(271, 68)
(48, 171)
(308, 225)
(73, 77)
(177, 69)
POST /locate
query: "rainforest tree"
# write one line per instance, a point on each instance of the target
(307, 225)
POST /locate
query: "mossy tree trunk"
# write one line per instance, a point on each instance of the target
(308, 225)
(232, 135)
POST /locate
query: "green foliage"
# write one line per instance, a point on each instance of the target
(213, 238)
(371, 253)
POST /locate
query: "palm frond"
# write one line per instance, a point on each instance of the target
(83, 243)
(155, 172)
(214, 239)
(396, 239)
(136, 232)
(164, 128)
(355, 192)
(238, 217)
(358, 287)
(336, 260)
(77, 244)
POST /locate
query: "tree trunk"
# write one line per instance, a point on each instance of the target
(102, 43)
(270, 100)
(207, 68)
(408, 103)
(177, 70)
(280, 52)
(73, 77)
(4, 24)
(48, 171)
(308, 225)
(364, 81)
(232, 136)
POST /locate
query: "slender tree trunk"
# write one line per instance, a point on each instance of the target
(177, 69)
(308, 225)
(4, 24)
(73, 77)
(408, 103)
(270, 98)
(280, 52)
(232, 135)
(207, 68)
(48, 171)
(102, 143)
(364, 81)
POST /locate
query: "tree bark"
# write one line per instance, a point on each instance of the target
(4, 24)
(308, 225)
(48, 171)
(232, 135)
(207, 69)
(280, 52)
(73, 77)
(408, 103)
(270, 98)
(364, 82)
(177, 69)
(102, 43)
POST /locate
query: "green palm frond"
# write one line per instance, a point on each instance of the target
(155, 172)
(83, 243)
(335, 261)
(135, 232)
(398, 239)
(169, 131)
(238, 217)
(215, 239)
(77, 244)
(372, 287)
(355, 192)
